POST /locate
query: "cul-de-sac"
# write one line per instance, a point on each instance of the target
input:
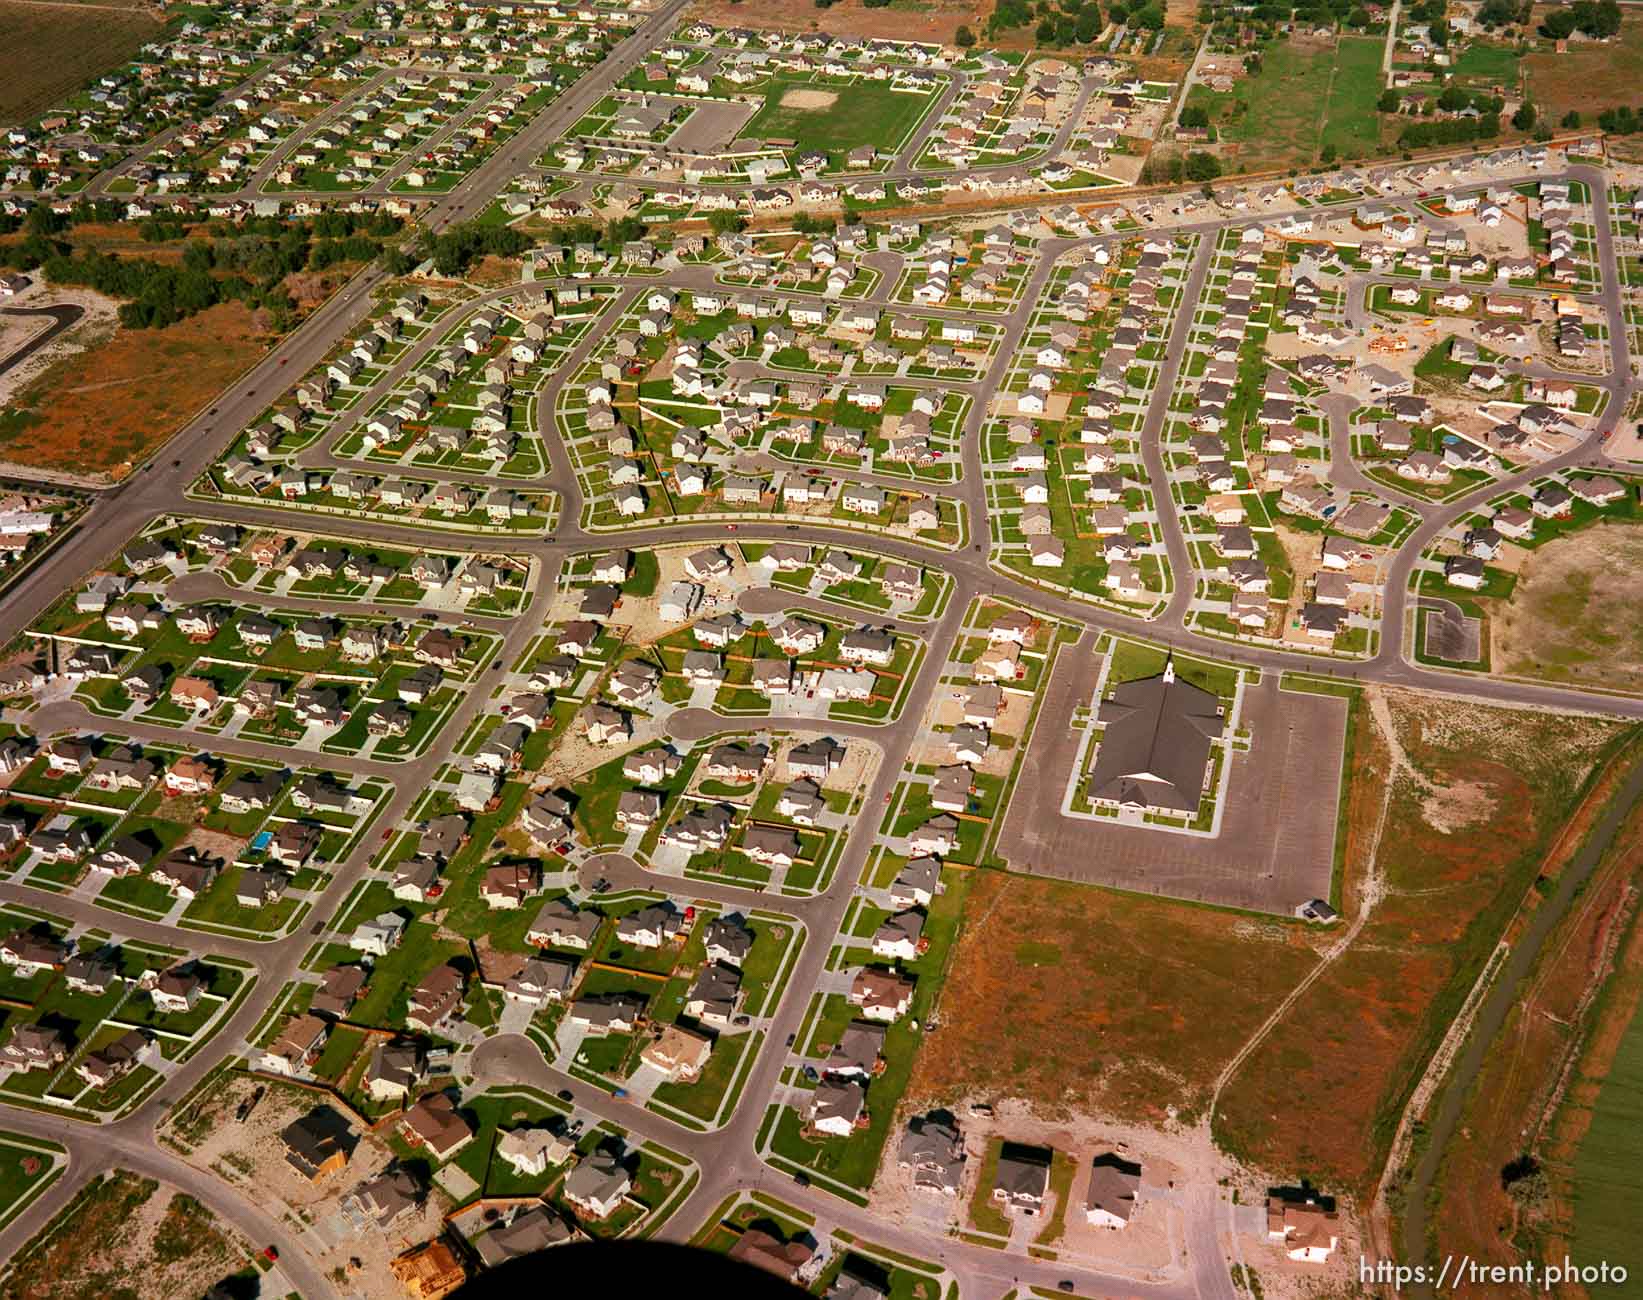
(889, 649)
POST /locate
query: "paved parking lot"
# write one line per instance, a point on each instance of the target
(1277, 842)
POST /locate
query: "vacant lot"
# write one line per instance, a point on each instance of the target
(1589, 77)
(99, 411)
(1576, 614)
(904, 20)
(1118, 1005)
(50, 51)
(126, 1236)
(1351, 125)
(1308, 95)
(859, 113)
(1471, 818)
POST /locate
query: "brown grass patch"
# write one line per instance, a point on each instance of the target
(50, 51)
(126, 1236)
(1590, 76)
(1084, 999)
(910, 20)
(1322, 1095)
(103, 409)
(1575, 614)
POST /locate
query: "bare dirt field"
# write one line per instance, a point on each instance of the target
(127, 1236)
(809, 99)
(1576, 614)
(98, 411)
(931, 20)
(1118, 1005)
(51, 50)
(1479, 797)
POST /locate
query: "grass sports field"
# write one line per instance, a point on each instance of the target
(862, 112)
(50, 51)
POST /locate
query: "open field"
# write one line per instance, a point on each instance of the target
(52, 50)
(1574, 997)
(127, 1236)
(1308, 95)
(1602, 1114)
(1575, 614)
(904, 20)
(1476, 799)
(1351, 124)
(1590, 76)
(1117, 1003)
(98, 411)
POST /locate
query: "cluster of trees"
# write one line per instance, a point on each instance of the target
(1624, 120)
(1068, 22)
(1451, 99)
(1173, 168)
(1503, 13)
(1455, 130)
(156, 295)
(1595, 18)
(458, 248)
(220, 261)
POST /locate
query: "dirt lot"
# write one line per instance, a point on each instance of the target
(1466, 828)
(127, 1236)
(1576, 614)
(932, 20)
(51, 50)
(1118, 1005)
(98, 411)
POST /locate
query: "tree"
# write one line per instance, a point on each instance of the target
(1194, 117)
(1201, 166)
(964, 38)
(1359, 17)
(1453, 98)
(1524, 118)
(1388, 102)
(1327, 157)
(1571, 119)
(1151, 17)
(725, 223)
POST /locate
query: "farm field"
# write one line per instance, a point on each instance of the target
(99, 411)
(1575, 615)
(1474, 780)
(1596, 948)
(50, 51)
(1118, 1004)
(1604, 1111)
(861, 113)
(1590, 76)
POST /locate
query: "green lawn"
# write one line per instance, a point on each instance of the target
(863, 113)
